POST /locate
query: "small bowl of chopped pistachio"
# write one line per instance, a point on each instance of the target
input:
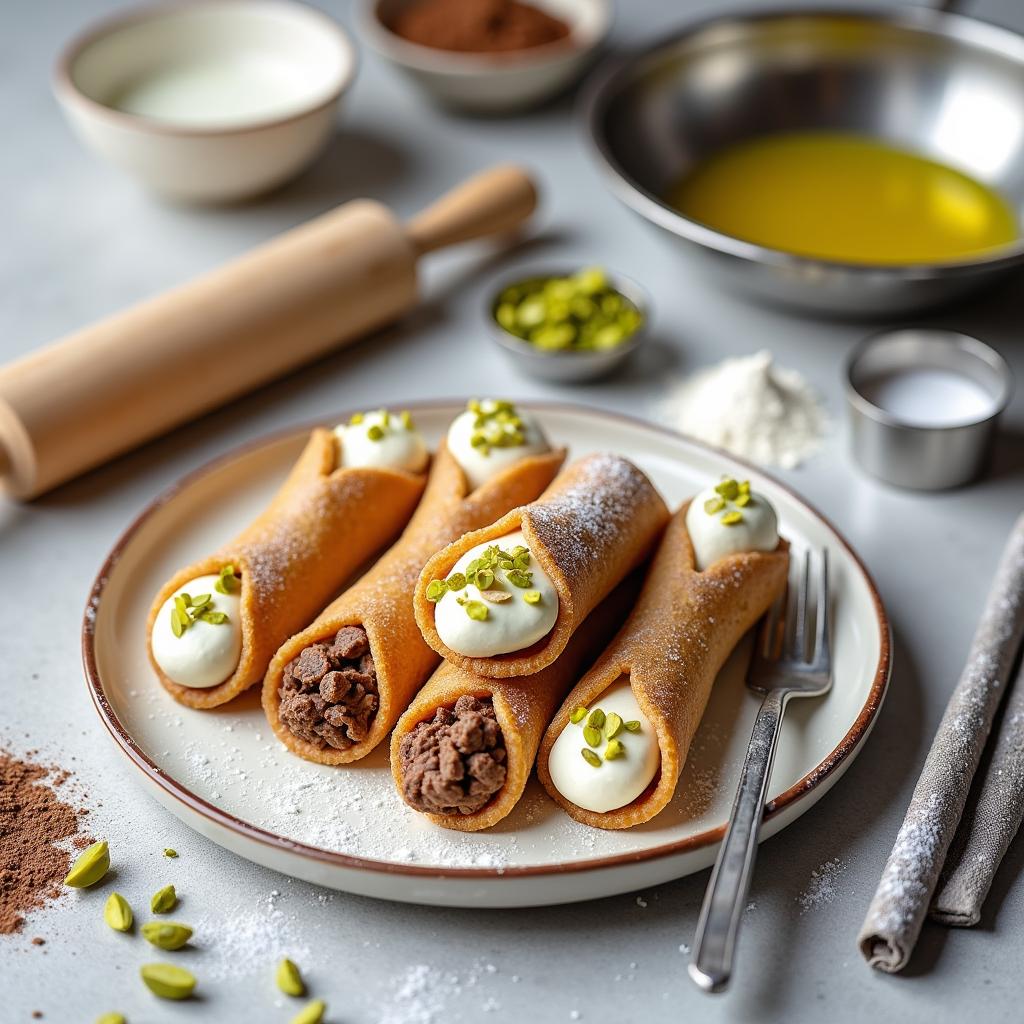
(568, 327)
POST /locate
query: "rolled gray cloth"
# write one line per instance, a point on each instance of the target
(983, 839)
(900, 905)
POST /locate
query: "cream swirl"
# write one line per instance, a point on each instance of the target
(382, 440)
(728, 519)
(206, 652)
(492, 435)
(585, 774)
(506, 613)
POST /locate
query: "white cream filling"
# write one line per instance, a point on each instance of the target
(481, 463)
(205, 654)
(399, 446)
(712, 539)
(614, 783)
(511, 625)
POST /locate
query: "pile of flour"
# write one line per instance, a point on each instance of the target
(752, 408)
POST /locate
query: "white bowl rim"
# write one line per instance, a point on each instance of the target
(457, 63)
(69, 93)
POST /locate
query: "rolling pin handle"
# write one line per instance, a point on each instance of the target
(491, 203)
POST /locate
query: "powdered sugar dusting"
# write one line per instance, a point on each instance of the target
(823, 887)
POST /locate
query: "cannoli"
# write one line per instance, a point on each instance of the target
(216, 624)
(504, 601)
(336, 689)
(612, 755)
(463, 751)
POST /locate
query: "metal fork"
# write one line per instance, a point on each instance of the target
(794, 671)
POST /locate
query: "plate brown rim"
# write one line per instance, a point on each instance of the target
(854, 736)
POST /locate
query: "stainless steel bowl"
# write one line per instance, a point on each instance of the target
(913, 455)
(944, 85)
(568, 366)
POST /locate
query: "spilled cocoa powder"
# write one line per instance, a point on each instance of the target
(33, 820)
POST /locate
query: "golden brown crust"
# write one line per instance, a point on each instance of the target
(381, 601)
(320, 527)
(682, 630)
(522, 706)
(597, 522)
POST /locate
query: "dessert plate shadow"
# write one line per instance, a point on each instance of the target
(224, 773)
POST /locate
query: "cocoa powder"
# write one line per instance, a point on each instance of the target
(33, 820)
(478, 26)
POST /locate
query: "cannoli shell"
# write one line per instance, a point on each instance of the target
(683, 628)
(381, 602)
(522, 706)
(597, 522)
(320, 527)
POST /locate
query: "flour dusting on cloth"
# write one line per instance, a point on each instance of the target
(752, 408)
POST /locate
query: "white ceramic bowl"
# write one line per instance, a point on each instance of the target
(493, 83)
(207, 101)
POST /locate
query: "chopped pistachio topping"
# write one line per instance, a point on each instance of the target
(357, 418)
(229, 582)
(384, 422)
(482, 573)
(188, 610)
(732, 496)
(579, 312)
(168, 852)
(496, 424)
(614, 750)
(406, 417)
(375, 432)
(476, 610)
(592, 723)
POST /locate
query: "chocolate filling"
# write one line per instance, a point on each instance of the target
(454, 763)
(329, 692)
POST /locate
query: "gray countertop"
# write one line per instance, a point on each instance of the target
(79, 242)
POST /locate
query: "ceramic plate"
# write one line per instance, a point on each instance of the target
(224, 773)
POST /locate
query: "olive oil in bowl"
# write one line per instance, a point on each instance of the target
(847, 198)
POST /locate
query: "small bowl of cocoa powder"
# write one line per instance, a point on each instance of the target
(488, 56)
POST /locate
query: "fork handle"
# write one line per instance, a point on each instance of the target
(719, 922)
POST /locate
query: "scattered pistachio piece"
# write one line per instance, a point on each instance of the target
(168, 935)
(90, 866)
(495, 596)
(168, 981)
(457, 581)
(357, 418)
(577, 715)
(592, 735)
(728, 488)
(311, 1013)
(164, 900)
(117, 913)
(476, 610)
(375, 432)
(714, 505)
(111, 1018)
(532, 597)
(731, 518)
(406, 417)
(436, 589)
(228, 582)
(596, 718)
(590, 757)
(168, 852)
(614, 750)
(612, 725)
(289, 979)
(633, 726)
(742, 500)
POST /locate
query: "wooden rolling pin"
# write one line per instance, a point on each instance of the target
(111, 386)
